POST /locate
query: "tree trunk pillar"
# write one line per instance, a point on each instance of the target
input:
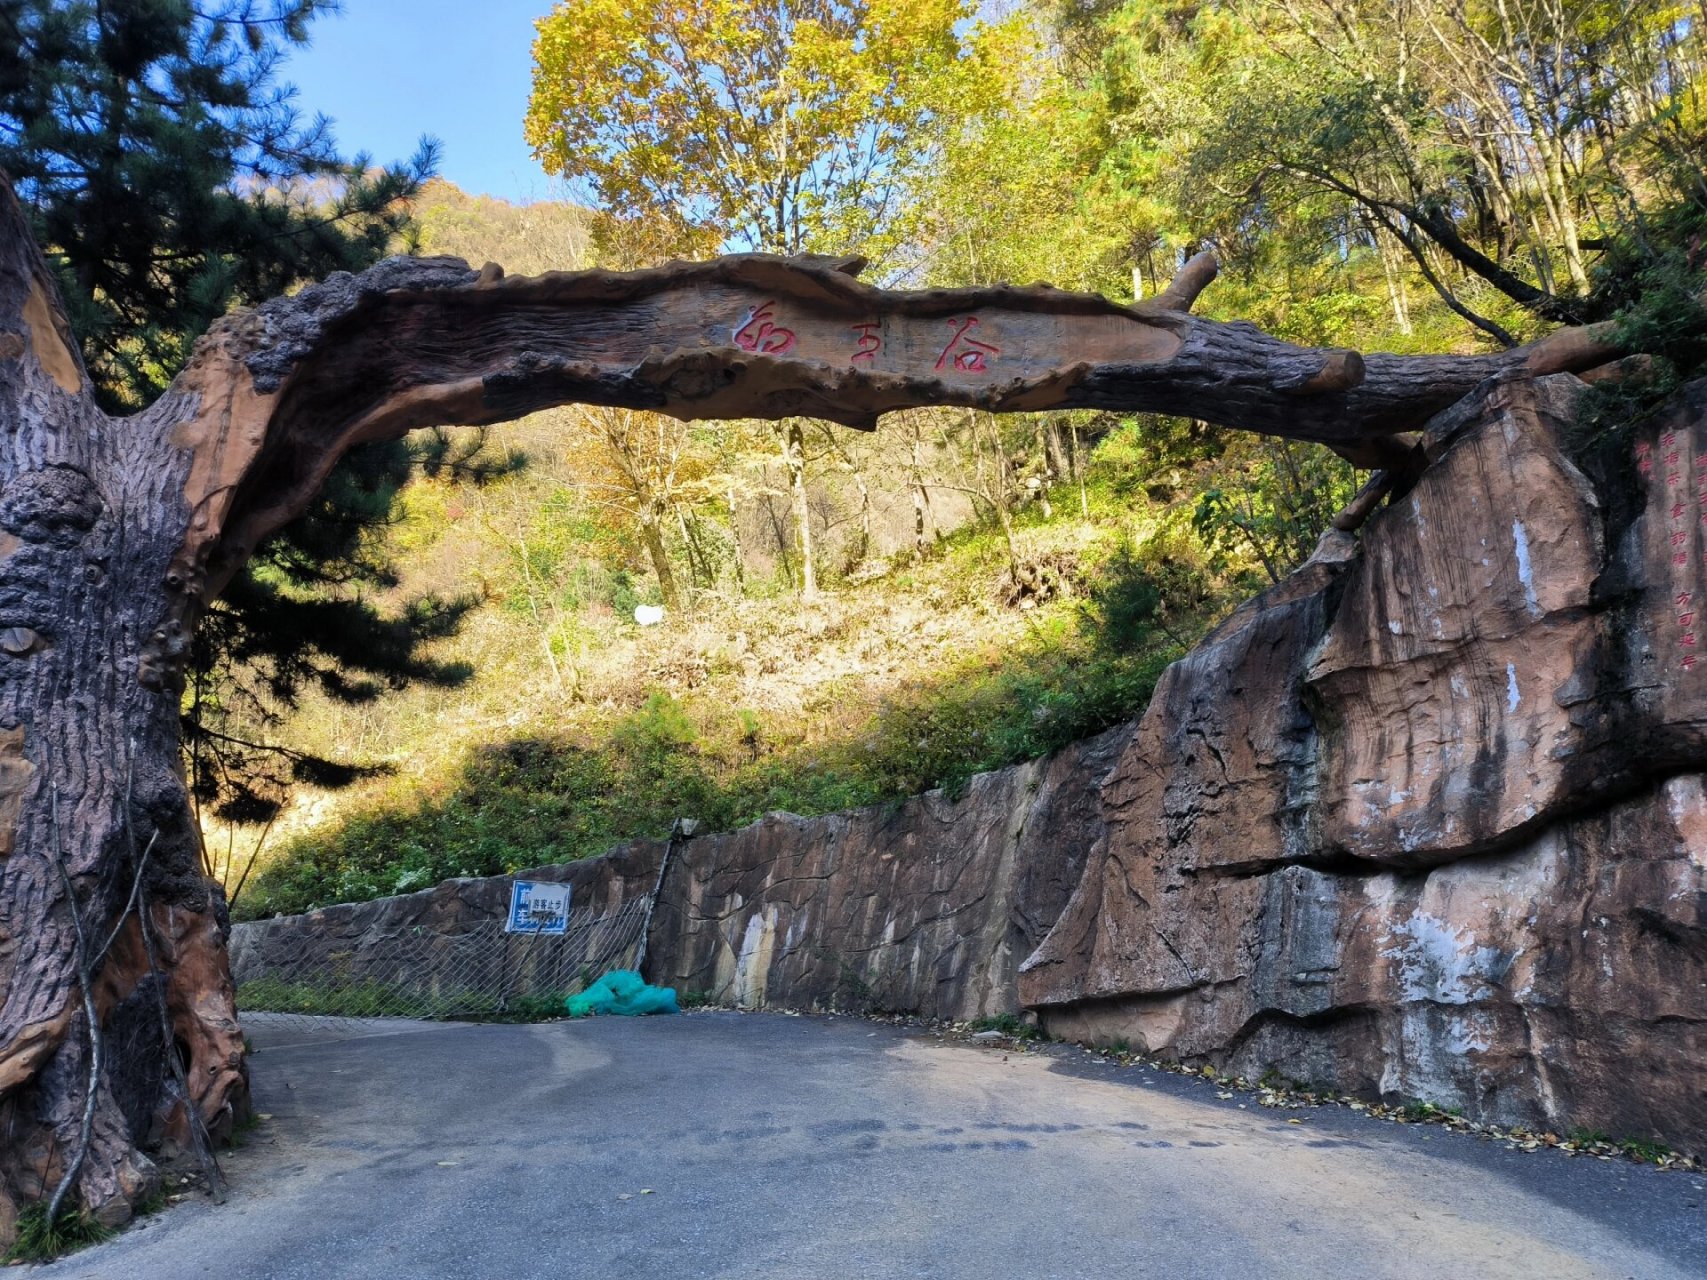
(92, 639)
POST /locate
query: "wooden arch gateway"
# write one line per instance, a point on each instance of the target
(114, 532)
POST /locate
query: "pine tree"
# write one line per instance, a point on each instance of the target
(170, 175)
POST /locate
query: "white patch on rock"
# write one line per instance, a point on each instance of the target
(796, 930)
(1525, 573)
(752, 966)
(1511, 694)
(1440, 963)
(1687, 806)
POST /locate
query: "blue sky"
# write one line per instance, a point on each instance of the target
(387, 71)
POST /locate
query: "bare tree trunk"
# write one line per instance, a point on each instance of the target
(653, 537)
(1078, 464)
(1393, 273)
(783, 536)
(793, 440)
(699, 562)
(114, 535)
(862, 550)
(921, 495)
(735, 538)
(647, 465)
(864, 553)
(1054, 454)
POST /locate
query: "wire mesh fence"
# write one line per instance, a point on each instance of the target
(480, 973)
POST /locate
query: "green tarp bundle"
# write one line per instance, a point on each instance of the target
(622, 991)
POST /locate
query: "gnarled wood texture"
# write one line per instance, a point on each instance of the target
(419, 342)
(113, 534)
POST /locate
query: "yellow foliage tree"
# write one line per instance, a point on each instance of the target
(778, 127)
(783, 127)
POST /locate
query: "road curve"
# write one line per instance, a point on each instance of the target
(729, 1145)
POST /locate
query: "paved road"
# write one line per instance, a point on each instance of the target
(807, 1148)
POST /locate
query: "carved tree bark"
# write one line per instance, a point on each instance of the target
(114, 533)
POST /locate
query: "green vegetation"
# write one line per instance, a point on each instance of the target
(1009, 1024)
(394, 1000)
(240, 1133)
(776, 127)
(1642, 1150)
(1004, 689)
(1666, 320)
(41, 1241)
(1646, 1152)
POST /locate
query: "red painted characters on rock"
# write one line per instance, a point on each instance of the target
(965, 353)
(759, 333)
(870, 341)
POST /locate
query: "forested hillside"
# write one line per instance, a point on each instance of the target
(850, 618)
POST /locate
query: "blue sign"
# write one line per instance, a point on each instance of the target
(538, 908)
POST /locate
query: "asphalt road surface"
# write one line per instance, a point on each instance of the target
(729, 1145)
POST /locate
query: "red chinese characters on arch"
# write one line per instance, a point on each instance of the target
(760, 334)
(869, 335)
(964, 353)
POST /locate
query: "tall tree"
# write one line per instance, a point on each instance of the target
(775, 127)
(170, 175)
(1493, 144)
(778, 127)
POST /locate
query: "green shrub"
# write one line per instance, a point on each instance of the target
(541, 800)
(41, 1241)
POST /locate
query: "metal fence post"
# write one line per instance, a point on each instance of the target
(681, 831)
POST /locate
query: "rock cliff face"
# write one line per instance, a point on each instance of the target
(929, 906)
(1427, 819)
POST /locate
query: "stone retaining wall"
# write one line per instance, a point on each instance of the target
(926, 907)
